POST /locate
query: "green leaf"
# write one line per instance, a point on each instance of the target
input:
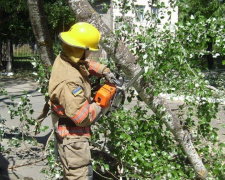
(106, 167)
(134, 158)
(139, 139)
(135, 144)
(118, 143)
(156, 93)
(223, 62)
(222, 145)
(130, 148)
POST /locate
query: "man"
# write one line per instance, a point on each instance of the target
(70, 98)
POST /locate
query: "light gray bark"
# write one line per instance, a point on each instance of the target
(127, 62)
(9, 57)
(6, 55)
(40, 30)
(41, 33)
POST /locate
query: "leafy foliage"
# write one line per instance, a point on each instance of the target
(209, 18)
(143, 147)
(14, 20)
(41, 74)
(173, 57)
(61, 17)
(15, 17)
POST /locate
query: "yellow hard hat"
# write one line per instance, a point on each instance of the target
(82, 35)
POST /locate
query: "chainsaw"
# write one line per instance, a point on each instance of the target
(111, 96)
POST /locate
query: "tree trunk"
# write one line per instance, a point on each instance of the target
(44, 43)
(40, 30)
(209, 56)
(6, 55)
(127, 62)
(1, 64)
(9, 56)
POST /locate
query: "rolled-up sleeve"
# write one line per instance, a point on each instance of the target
(95, 68)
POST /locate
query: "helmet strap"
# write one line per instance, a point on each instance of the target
(86, 54)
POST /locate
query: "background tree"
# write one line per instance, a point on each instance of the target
(12, 29)
(40, 29)
(16, 28)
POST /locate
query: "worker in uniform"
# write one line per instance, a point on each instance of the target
(70, 98)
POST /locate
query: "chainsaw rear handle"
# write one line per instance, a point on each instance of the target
(119, 81)
(116, 82)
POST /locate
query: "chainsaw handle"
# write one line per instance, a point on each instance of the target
(103, 112)
(117, 82)
(98, 104)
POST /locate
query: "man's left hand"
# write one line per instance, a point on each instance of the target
(109, 76)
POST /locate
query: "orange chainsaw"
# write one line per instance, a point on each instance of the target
(111, 96)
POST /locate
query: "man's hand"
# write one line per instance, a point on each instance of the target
(109, 76)
(100, 111)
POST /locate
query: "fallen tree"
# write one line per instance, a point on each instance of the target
(128, 64)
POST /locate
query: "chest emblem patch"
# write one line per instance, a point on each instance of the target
(77, 91)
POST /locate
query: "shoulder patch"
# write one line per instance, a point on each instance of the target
(77, 91)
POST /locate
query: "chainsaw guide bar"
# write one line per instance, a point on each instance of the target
(132, 81)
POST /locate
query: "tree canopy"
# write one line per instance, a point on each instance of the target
(15, 23)
(208, 17)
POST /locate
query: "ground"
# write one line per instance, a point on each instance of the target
(26, 162)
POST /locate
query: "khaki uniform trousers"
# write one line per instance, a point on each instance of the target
(75, 155)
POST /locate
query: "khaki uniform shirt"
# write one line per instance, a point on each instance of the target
(69, 88)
